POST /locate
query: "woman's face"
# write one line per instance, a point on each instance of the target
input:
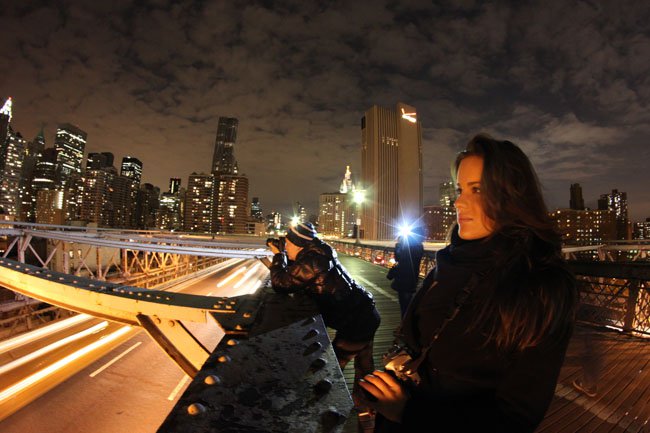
(472, 221)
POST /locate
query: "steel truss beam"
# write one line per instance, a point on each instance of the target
(159, 313)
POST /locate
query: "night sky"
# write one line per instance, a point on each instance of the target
(567, 80)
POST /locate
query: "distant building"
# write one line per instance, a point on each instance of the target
(200, 214)
(391, 170)
(99, 160)
(12, 154)
(97, 197)
(70, 143)
(336, 214)
(274, 222)
(174, 185)
(49, 207)
(585, 227)
(438, 220)
(256, 210)
(231, 202)
(642, 230)
(45, 171)
(124, 198)
(169, 212)
(147, 206)
(131, 168)
(223, 158)
(347, 185)
(617, 202)
(299, 212)
(447, 193)
(5, 120)
(576, 201)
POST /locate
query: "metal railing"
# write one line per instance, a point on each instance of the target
(613, 279)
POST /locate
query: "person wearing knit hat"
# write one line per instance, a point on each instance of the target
(302, 233)
(311, 266)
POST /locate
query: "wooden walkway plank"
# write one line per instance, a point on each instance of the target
(594, 410)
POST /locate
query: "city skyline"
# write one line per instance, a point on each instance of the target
(142, 81)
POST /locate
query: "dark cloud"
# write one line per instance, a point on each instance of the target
(568, 80)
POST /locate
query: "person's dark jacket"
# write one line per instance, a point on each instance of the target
(345, 305)
(468, 383)
(406, 271)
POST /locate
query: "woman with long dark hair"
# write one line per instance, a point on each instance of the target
(487, 332)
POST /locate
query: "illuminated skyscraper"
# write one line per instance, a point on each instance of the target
(13, 154)
(347, 185)
(49, 207)
(97, 198)
(45, 171)
(336, 214)
(617, 201)
(200, 213)
(223, 159)
(5, 119)
(391, 170)
(70, 143)
(585, 227)
(438, 220)
(132, 167)
(447, 193)
(232, 204)
(169, 217)
(27, 198)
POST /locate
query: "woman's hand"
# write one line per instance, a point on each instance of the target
(390, 397)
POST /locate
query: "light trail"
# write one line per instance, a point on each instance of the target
(114, 360)
(58, 365)
(50, 347)
(231, 276)
(247, 275)
(30, 337)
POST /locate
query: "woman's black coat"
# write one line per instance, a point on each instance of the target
(469, 384)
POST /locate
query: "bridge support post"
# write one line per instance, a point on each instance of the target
(630, 307)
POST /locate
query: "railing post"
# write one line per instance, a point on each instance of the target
(630, 308)
(66, 257)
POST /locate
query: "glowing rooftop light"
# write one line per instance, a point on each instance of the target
(6, 109)
(409, 116)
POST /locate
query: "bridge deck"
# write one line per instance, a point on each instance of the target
(622, 403)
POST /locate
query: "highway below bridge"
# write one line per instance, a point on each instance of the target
(125, 385)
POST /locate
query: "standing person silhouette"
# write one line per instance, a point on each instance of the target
(406, 271)
(488, 331)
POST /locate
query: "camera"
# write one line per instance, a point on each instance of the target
(278, 243)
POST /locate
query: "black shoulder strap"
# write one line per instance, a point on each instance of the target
(459, 300)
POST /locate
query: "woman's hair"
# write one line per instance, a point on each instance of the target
(527, 304)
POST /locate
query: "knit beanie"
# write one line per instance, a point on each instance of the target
(301, 234)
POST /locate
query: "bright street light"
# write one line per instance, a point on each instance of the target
(359, 196)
